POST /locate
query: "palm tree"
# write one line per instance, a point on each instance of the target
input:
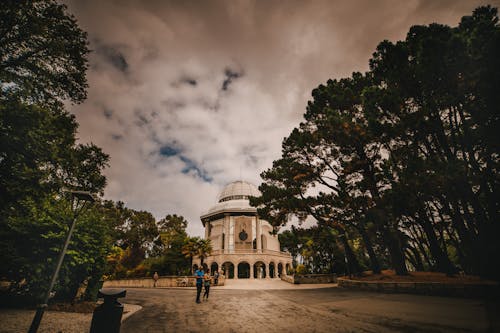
(196, 247)
(204, 249)
(190, 249)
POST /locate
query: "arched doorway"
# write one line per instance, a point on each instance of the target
(271, 270)
(213, 268)
(288, 269)
(280, 269)
(243, 270)
(228, 270)
(259, 270)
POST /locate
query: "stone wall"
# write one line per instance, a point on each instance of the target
(163, 282)
(310, 278)
(424, 288)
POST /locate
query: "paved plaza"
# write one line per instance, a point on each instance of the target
(275, 306)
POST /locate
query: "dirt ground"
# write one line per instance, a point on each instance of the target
(306, 310)
(390, 275)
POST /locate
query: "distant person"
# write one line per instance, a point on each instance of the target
(206, 284)
(216, 278)
(199, 274)
(155, 278)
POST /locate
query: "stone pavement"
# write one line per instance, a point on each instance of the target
(277, 307)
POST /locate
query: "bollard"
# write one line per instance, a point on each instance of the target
(107, 317)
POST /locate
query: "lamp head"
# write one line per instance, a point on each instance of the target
(81, 195)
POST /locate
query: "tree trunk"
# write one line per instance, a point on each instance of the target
(443, 263)
(395, 250)
(374, 262)
(353, 267)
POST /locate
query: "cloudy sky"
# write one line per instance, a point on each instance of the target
(187, 96)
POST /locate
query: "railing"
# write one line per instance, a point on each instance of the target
(249, 251)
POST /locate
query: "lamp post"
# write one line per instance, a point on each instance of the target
(79, 200)
(346, 260)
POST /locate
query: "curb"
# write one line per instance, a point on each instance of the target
(424, 288)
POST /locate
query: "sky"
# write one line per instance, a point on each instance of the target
(187, 96)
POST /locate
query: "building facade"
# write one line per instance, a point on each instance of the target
(243, 244)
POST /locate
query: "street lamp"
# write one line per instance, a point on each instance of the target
(347, 262)
(79, 201)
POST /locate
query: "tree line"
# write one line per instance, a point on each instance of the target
(401, 162)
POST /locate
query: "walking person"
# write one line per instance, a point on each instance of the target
(199, 274)
(206, 283)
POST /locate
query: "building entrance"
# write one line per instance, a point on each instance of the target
(243, 270)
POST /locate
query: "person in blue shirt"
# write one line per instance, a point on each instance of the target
(199, 282)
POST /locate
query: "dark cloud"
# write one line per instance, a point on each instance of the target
(112, 54)
(188, 80)
(189, 165)
(141, 119)
(169, 151)
(230, 76)
(193, 167)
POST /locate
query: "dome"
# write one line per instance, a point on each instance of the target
(234, 198)
(238, 190)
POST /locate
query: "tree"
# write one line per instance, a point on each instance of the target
(197, 247)
(204, 249)
(35, 238)
(403, 156)
(172, 227)
(173, 235)
(43, 52)
(442, 114)
(137, 235)
(43, 60)
(190, 249)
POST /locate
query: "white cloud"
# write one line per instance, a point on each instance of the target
(156, 78)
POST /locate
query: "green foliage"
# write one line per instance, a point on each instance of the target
(35, 239)
(402, 162)
(301, 269)
(197, 247)
(172, 230)
(43, 52)
(43, 59)
(145, 246)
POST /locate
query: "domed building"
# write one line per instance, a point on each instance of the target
(243, 244)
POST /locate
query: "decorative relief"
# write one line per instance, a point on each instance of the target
(243, 232)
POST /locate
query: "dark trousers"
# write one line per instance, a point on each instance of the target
(207, 290)
(198, 292)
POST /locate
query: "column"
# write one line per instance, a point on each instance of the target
(226, 233)
(235, 271)
(267, 270)
(251, 271)
(258, 236)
